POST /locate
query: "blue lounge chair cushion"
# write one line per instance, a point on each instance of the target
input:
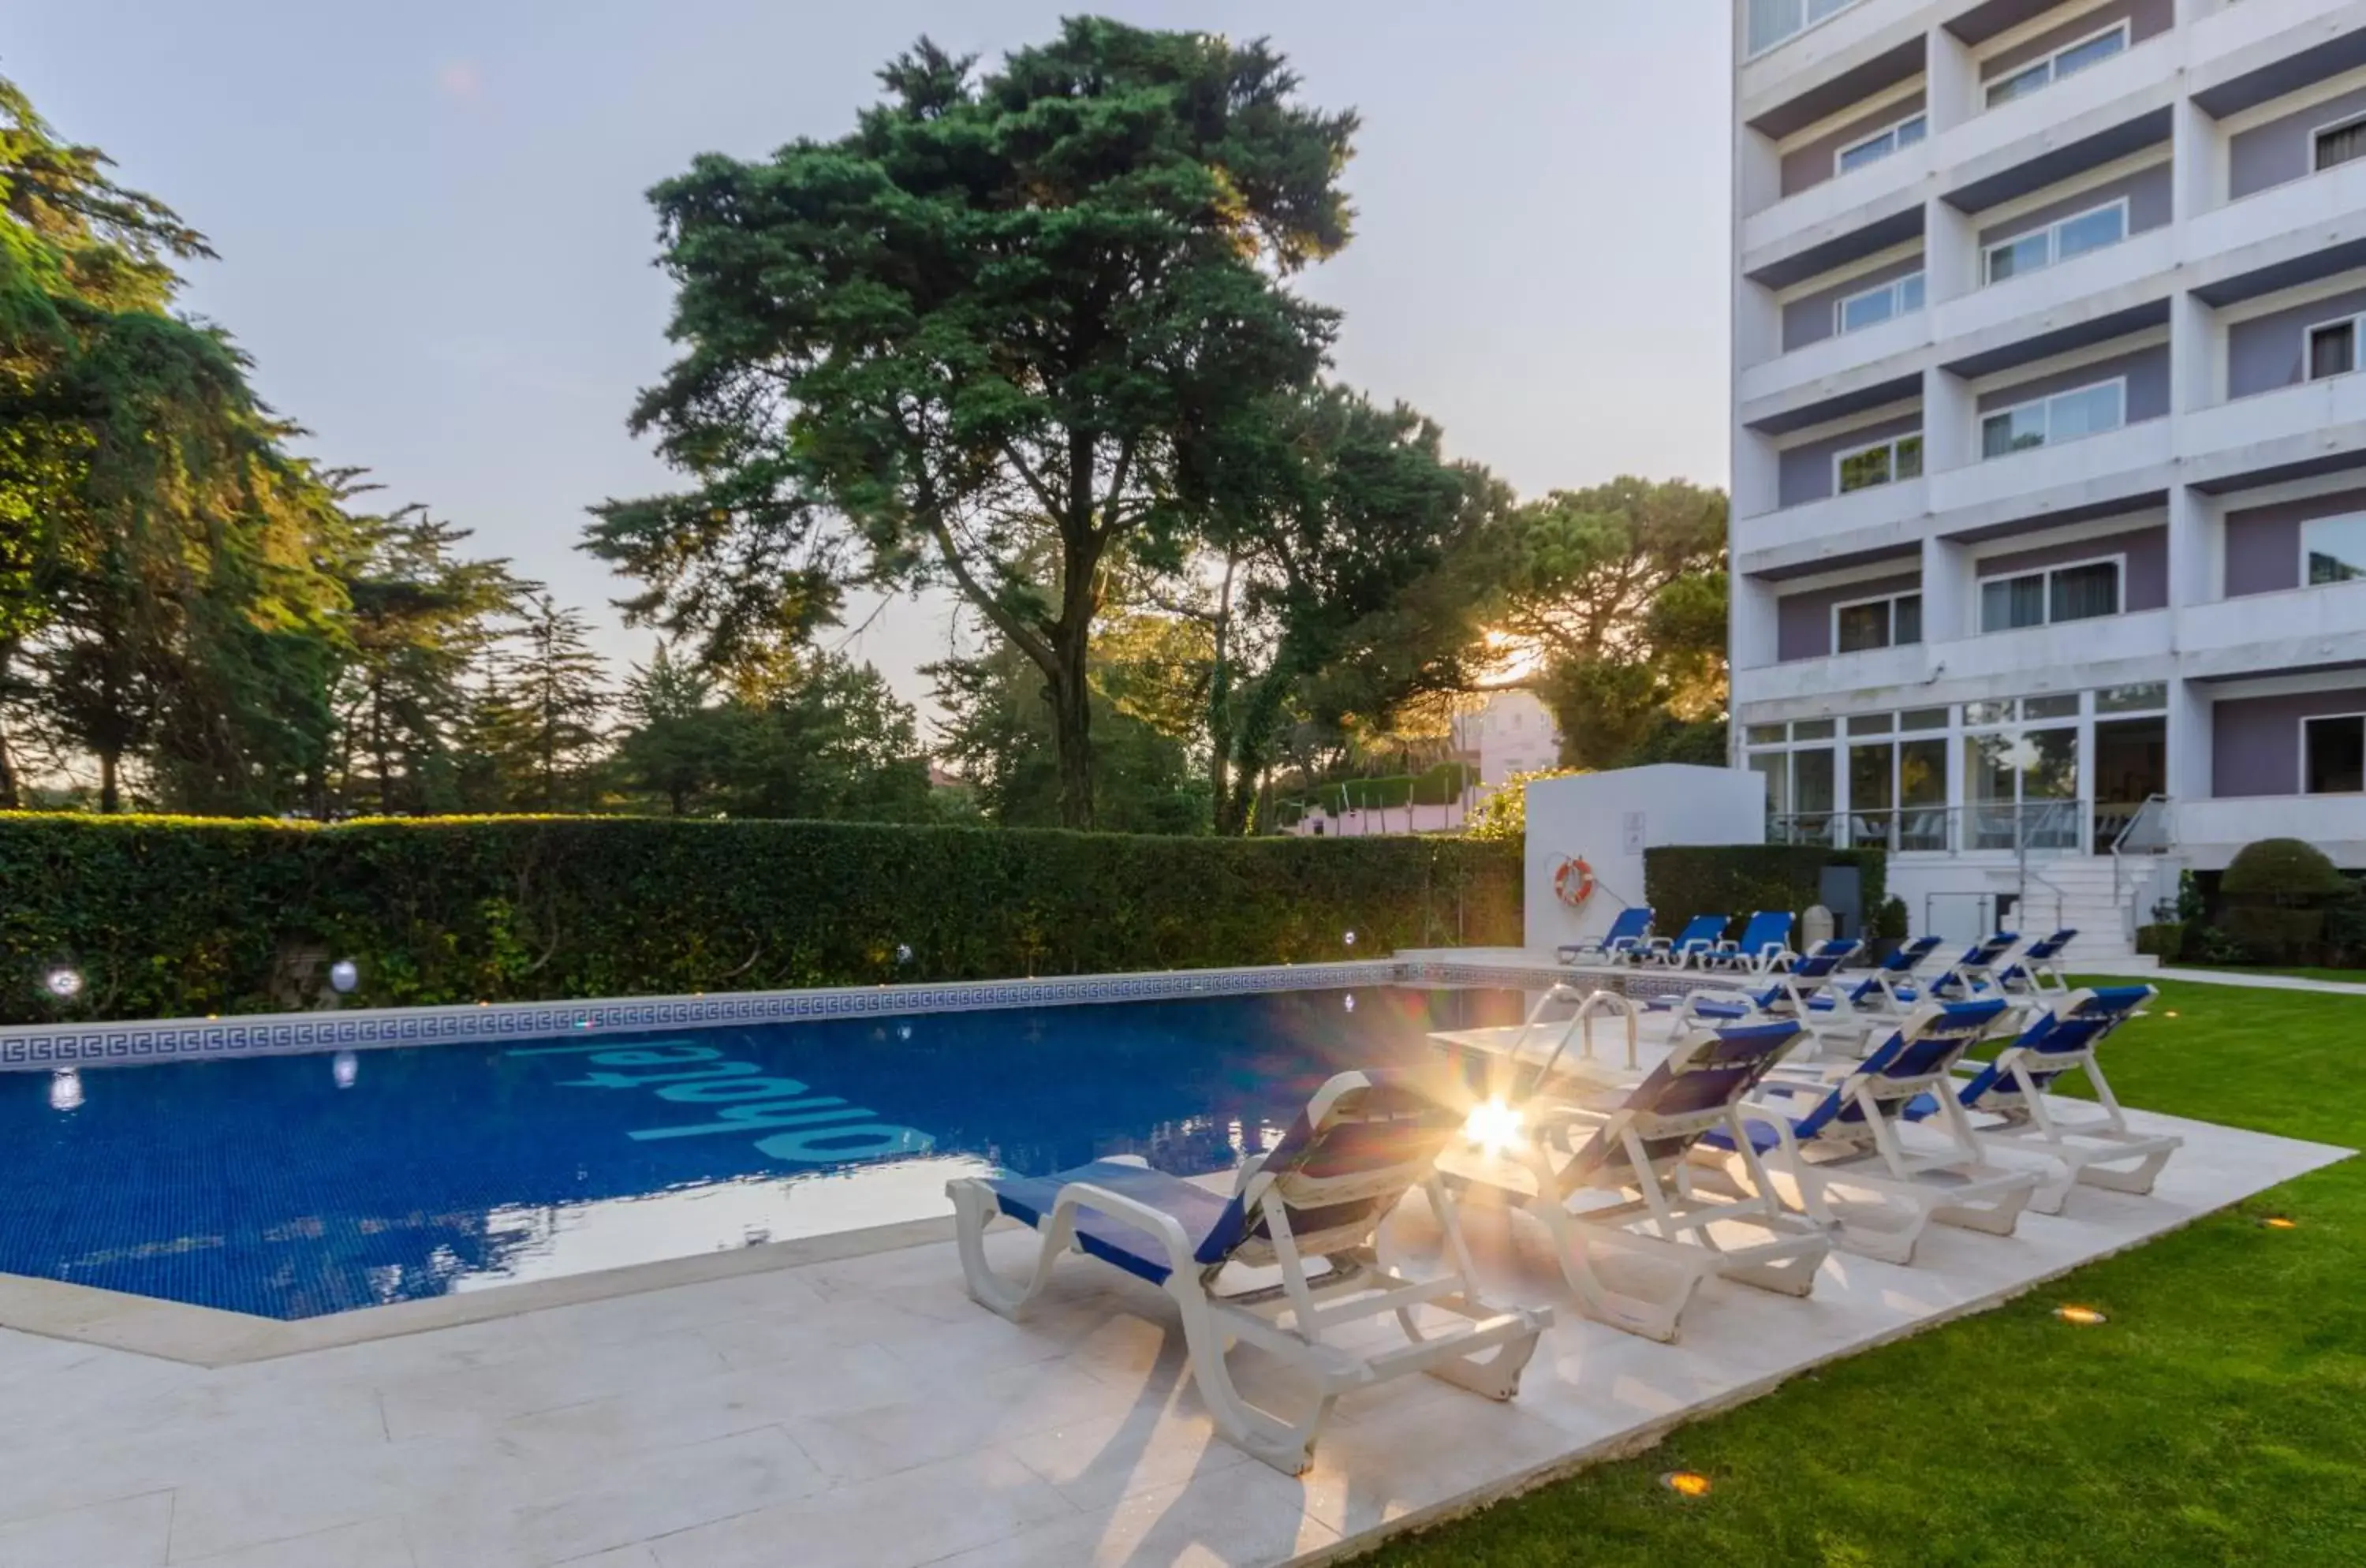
(1762, 1136)
(1030, 1201)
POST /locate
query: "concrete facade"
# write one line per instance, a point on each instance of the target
(2140, 232)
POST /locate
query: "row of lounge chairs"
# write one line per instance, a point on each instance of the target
(1678, 1172)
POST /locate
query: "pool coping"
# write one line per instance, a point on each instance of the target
(212, 1336)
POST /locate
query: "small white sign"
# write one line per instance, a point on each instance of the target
(1635, 832)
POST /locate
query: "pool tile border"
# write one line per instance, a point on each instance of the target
(43, 1048)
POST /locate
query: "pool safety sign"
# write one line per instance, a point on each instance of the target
(710, 1097)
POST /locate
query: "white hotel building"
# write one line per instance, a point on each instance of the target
(2049, 484)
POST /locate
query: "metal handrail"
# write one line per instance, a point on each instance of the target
(2119, 858)
(1578, 1025)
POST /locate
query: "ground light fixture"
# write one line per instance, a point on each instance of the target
(65, 1090)
(345, 1067)
(1349, 938)
(1686, 1483)
(1493, 1126)
(64, 982)
(2279, 1223)
(903, 952)
(1350, 1002)
(2080, 1316)
(343, 975)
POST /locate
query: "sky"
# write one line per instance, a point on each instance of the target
(433, 236)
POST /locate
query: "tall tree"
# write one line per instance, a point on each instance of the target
(1618, 594)
(977, 333)
(677, 744)
(1347, 578)
(553, 686)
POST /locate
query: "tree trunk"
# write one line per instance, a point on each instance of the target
(8, 799)
(109, 799)
(1072, 727)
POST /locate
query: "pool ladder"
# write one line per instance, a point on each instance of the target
(1578, 1026)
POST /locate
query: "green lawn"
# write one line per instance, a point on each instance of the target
(2342, 976)
(2219, 1416)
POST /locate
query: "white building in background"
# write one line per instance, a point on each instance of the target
(1515, 733)
(2049, 476)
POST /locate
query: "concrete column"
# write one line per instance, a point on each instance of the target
(1949, 436)
(1757, 474)
(1757, 326)
(1757, 171)
(2189, 741)
(2193, 566)
(2197, 357)
(2198, 162)
(1955, 82)
(1951, 252)
(1753, 638)
(1946, 593)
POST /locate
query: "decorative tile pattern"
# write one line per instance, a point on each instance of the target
(38, 1047)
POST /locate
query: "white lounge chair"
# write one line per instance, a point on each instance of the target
(1678, 1216)
(1764, 948)
(2007, 1100)
(1697, 944)
(2037, 972)
(1630, 930)
(1844, 1134)
(1363, 1142)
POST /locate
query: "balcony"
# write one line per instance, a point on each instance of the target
(2262, 634)
(1771, 79)
(2273, 231)
(1841, 203)
(2314, 427)
(1872, 670)
(2088, 288)
(2068, 655)
(1832, 366)
(2336, 823)
(2244, 54)
(2066, 478)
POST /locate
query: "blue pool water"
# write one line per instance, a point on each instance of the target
(295, 1186)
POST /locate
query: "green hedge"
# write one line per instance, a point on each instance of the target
(1682, 881)
(172, 917)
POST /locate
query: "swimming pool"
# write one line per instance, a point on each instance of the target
(293, 1187)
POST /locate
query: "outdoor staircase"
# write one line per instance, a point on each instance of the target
(2087, 892)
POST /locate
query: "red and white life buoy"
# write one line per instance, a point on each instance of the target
(1573, 881)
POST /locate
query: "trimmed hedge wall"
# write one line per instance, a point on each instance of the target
(171, 916)
(1682, 881)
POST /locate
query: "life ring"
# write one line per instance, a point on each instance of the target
(1574, 882)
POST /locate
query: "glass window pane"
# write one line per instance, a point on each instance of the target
(2332, 350)
(1923, 718)
(1908, 463)
(2087, 411)
(2090, 232)
(2020, 85)
(1909, 293)
(2337, 755)
(1868, 310)
(2095, 50)
(1979, 714)
(1872, 151)
(2009, 603)
(1914, 131)
(2335, 548)
(2028, 253)
(2050, 707)
(2149, 697)
(1811, 781)
(1812, 730)
(1772, 21)
(1860, 470)
(1860, 626)
(1922, 773)
(1906, 622)
(2015, 430)
(2084, 592)
(2341, 144)
(1764, 735)
(2049, 764)
(1872, 724)
(1989, 772)
(1774, 767)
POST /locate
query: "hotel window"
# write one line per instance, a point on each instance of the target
(2068, 61)
(1776, 21)
(1881, 144)
(1894, 621)
(2333, 348)
(2059, 241)
(2342, 142)
(2080, 591)
(1878, 464)
(2333, 754)
(1899, 297)
(2051, 420)
(2333, 549)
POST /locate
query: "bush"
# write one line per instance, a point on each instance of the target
(2271, 934)
(175, 917)
(1682, 881)
(1891, 922)
(2164, 939)
(2281, 870)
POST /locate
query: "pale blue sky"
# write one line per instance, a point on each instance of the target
(434, 239)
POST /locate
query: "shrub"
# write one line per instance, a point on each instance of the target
(2164, 939)
(2282, 870)
(174, 916)
(1891, 922)
(1682, 881)
(2208, 945)
(2272, 934)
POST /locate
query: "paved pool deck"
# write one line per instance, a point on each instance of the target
(860, 1410)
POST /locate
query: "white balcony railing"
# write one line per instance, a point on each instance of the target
(2067, 470)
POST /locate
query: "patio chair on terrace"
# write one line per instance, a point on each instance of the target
(1363, 1142)
(1974, 973)
(1697, 944)
(1764, 947)
(1792, 993)
(2038, 971)
(1844, 1135)
(2007, 1099)
(1619, 944)
(1689, 1220)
